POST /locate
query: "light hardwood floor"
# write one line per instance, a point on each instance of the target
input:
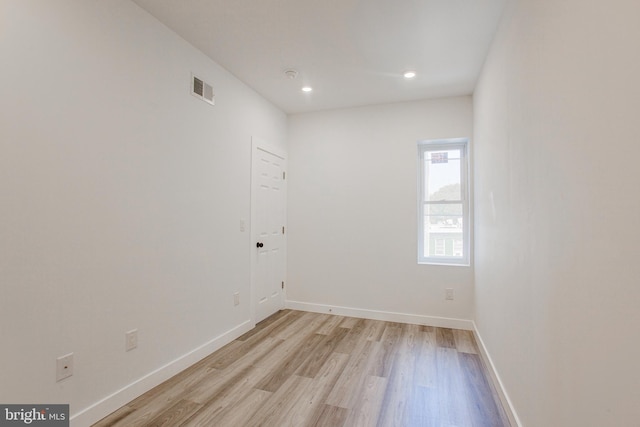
(308, 369)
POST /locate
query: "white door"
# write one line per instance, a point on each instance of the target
(268, 219)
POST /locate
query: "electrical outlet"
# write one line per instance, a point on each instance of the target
(131, 340)
(448, 294)
(236, 298)
(64, 366)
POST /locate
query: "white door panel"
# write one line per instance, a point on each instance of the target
(268, 213)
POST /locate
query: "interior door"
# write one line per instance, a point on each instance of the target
(268, 219)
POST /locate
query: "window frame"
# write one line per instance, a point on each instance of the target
(442, 145)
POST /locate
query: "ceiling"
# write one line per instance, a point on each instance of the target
(352, 52)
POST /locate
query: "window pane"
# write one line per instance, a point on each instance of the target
(457, 248)
(443, 202)
(443, 230)
(442, 175)
(443, 210)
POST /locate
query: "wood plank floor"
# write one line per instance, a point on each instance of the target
(308, 369)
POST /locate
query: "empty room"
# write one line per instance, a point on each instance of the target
(297, 213)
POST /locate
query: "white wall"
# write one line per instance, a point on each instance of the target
(121, 197)
(352, 209)
(557, 208)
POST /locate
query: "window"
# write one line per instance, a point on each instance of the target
(457, 247)
(443, 217)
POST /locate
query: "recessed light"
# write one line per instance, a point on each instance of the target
(307, 89)
(409, 74)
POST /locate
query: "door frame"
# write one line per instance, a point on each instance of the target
(257, 145)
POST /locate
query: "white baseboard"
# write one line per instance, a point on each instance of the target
(497, 382)
(441, 322)
(111, 403)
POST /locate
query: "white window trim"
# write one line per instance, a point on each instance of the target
(446, 144)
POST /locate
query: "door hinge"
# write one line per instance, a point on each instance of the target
(283, 229)
(282, 285)
(283, 174)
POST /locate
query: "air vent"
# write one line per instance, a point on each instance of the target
(201, 89)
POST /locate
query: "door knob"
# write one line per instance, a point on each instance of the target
(259, 245)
